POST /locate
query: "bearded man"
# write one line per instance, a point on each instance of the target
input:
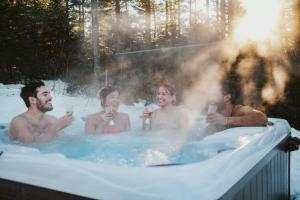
(34, 125)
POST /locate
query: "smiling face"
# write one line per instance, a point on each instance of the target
(43, 99)
(112, 100)
(164, 97)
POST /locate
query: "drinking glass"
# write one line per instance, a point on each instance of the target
(212, 108)
(69, 108)
(108, 109)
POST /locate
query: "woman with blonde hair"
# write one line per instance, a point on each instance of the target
(168, 115)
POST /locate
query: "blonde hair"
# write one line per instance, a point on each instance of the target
(170, 88)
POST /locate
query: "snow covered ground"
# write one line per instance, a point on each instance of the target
(153, 180)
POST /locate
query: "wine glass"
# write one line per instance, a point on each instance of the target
(69, 108)
(148, 110)
(212, 108)
(109, 109)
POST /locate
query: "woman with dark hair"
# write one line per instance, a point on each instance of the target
(109, 120)
(168, 115)
(232, 113)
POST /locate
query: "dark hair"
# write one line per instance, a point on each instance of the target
(30, 90)
(105, 91)
(234, 89)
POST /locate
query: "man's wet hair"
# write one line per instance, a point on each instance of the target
(30, 90)
(105, 91)
(234, 89)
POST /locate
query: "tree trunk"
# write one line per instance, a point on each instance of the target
(190, 14)
(66, 40)
(222, 19)
(117, 24)
(207, 11)
(173, 18)
(167, 17)
(154, 20)
(178, 18)
(148, 21)
(83, 17)
(117, 11)
(95, 37)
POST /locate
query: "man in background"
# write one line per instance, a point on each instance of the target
(34, 125)
(232, 113)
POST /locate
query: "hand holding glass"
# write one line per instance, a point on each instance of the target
(69, 108)
(147, 115)
(108, 109)
(212, 108)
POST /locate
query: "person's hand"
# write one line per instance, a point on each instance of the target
(65, 121)
(216, 118)
(107, 115)
(147, 113)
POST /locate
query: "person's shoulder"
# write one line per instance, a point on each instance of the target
(93, 116)
(18, 119)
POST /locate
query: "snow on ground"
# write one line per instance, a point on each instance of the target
(12, 104)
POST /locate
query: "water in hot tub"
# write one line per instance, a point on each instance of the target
(133, 148)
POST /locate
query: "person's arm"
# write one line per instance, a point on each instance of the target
(90, 127)
(247, 116)
(147, 119)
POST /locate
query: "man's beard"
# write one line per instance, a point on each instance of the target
(42, 107)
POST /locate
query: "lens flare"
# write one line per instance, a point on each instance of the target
(259, 22)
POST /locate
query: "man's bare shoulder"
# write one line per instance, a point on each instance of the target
(19, 124)
(19, 119)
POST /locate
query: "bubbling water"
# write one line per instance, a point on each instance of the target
(132, 148)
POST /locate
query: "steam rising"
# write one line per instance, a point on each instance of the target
(265, 31)
(257, 24)
(254, 56)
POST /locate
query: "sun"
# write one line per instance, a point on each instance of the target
(259, 22)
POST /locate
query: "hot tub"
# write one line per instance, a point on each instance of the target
(238, 163)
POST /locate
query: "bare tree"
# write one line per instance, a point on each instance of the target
(148, 20)
(95, 37)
